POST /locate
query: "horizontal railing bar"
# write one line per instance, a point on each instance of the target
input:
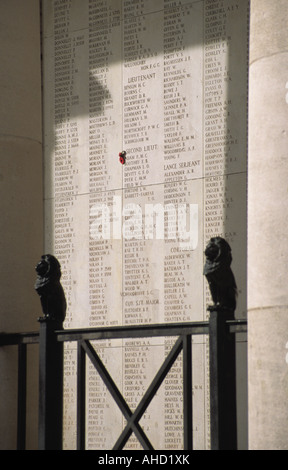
(142, 331)
(134, 331)
(116, 332)
(237, 326)
(13, 339)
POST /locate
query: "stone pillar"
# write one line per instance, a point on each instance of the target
(20, 188)
(267, 226)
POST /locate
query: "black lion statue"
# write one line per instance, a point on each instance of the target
(219, 274)
(49, 288)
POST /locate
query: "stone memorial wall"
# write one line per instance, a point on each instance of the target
(165, 82)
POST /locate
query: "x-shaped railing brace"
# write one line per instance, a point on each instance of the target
(133, 418)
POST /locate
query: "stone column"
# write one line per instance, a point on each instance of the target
(268, 226)
(20, 188)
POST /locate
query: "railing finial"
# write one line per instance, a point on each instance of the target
(219, 275)
(50, 290)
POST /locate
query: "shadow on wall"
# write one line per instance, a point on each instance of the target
(223, 128)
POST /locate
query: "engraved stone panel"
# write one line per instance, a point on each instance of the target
(166, 82)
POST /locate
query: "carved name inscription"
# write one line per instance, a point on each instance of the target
(166, 81)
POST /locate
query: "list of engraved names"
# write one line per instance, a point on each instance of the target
(166, 81)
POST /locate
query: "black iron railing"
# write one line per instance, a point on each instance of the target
(51, 339)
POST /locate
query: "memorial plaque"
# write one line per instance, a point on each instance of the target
(166, 82)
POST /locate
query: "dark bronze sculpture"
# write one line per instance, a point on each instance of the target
(49, 288)
(219, 275)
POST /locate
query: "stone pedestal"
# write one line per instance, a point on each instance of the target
(20, 187)
(267, 226)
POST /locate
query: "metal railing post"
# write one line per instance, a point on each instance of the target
(50, 386)
(187, 393)
(223, 419)
(81, 396)
(22, 396)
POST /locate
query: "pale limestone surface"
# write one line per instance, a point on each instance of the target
(267, 226)
(21, 196)
(167, 83)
